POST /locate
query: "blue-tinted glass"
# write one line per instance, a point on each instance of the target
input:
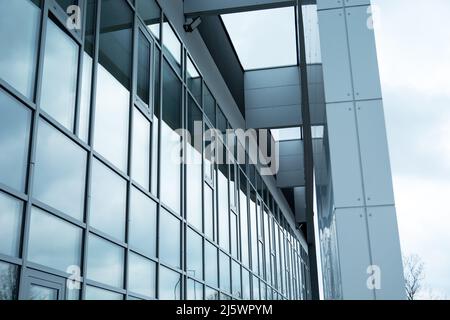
(9, 284)
(169, 284)
(194, 81)
(59, 78)
(209, 105)
(14, 139)
(108, 201)
(211, 294)
(234, 235)
(209, 211)
(194, 255)
(60, 171)
(94, 293)
(85, 99)
(105, 262)
(225, 272)
(194, 290)
(141, 275)
(140, 163)
(255, 294)
(53, 242)
(142, 223)
(18, 53)
(172, 46)
(151, 14)
(211, 276)
(143, 73)
(236, 279)
(42, 293)
(169, 239)
(245, 285)
(222, 195)
(244, 220)
(10, 224)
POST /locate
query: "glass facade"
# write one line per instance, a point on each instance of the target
(89, 182)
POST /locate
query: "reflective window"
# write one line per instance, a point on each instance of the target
(108, 201)
(42, 293)
(244, 220)
(194, 176)
(156, 118)
(209, 211)
(53, 242)
(11, 211)
(169, 284)
(18, 57)
(169, 239)
(209, 105)
(171, 140)
(255, 294)
(113, 83)
(209, 153)
(172, 46)
(9, 284)
(194, 290)
(60, 171)
(141, 275)
(234, 235)
(140, 162)
(211, 294)
(253, 230)
(143, 72)
(225, 272)
(211, 265)
(142, 223)
(194, 81)
(94, 293)
(194, 256)
(151, 14)
(236, 279)
(222, 198)
(14, 139)
(233, 185)
(59, 77)
(105, 262)
(245, 285)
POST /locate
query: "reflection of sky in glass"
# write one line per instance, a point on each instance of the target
(222, 195)
(211, 265)
(105, 262)
(10, 222)
(194, 255)
(245, 285)
(108, 201)
(194, 290)
(59, 78)
(244, 227)
(264, 38)
(225, 272)
(140, 163)
(236, 279)
(14, 138)
(169, 239)
(60, 172)
(53, 242)
(209, 211)
(141, 275)
(94, 293)
(193, 186)
(85, 99)
(19, 22)
(171, 43)
(169, 284)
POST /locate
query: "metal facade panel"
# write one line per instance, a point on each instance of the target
(374, 153)
(354, 258)
(386, 253)
(280, 116)
(349, 3)
(344, 155)
(328, 4)
(272, 97)
(336, 66)
(363, 54)
(272, 77)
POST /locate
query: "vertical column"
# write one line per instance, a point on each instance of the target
(363, 203)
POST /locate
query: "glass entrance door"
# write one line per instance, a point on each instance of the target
(43, 286)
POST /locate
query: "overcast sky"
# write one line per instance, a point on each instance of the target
(413, 43)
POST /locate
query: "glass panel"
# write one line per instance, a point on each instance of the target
(171, 140)
(209, 153)
(14, 139)
(60, 171)
(142, 223)
(151, 14)
(194, 81)
(211, 266)
(209, 212)
(244, 220)
(43, 293)
(172, 46)
(225, 272)
(211, 294)
(194, 290)
(94, 293)
(113, 83)
(143, 73)
(18, 57)
(156, 117)
(234, 235)
(9, 285)
(140, 162)
(194, 167)
(170, 239)
(255, 288)
(105, 262)
(209, 105)
(169, 284)
(233, 185)
(236, 279)
(108, 201)
(245, 284)
(254, 235)
(10, 225)
(59, 75)
(311, 32)
(141, 275)
(194, 254)
(53, 242)
(222, 198)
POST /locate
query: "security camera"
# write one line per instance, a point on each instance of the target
(192, 24)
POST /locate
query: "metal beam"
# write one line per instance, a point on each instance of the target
(215, 7)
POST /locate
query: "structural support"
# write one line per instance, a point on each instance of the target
(362, 258)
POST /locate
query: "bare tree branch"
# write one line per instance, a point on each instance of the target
(414, 275)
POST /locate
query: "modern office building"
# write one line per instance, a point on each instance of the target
(95, 205)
